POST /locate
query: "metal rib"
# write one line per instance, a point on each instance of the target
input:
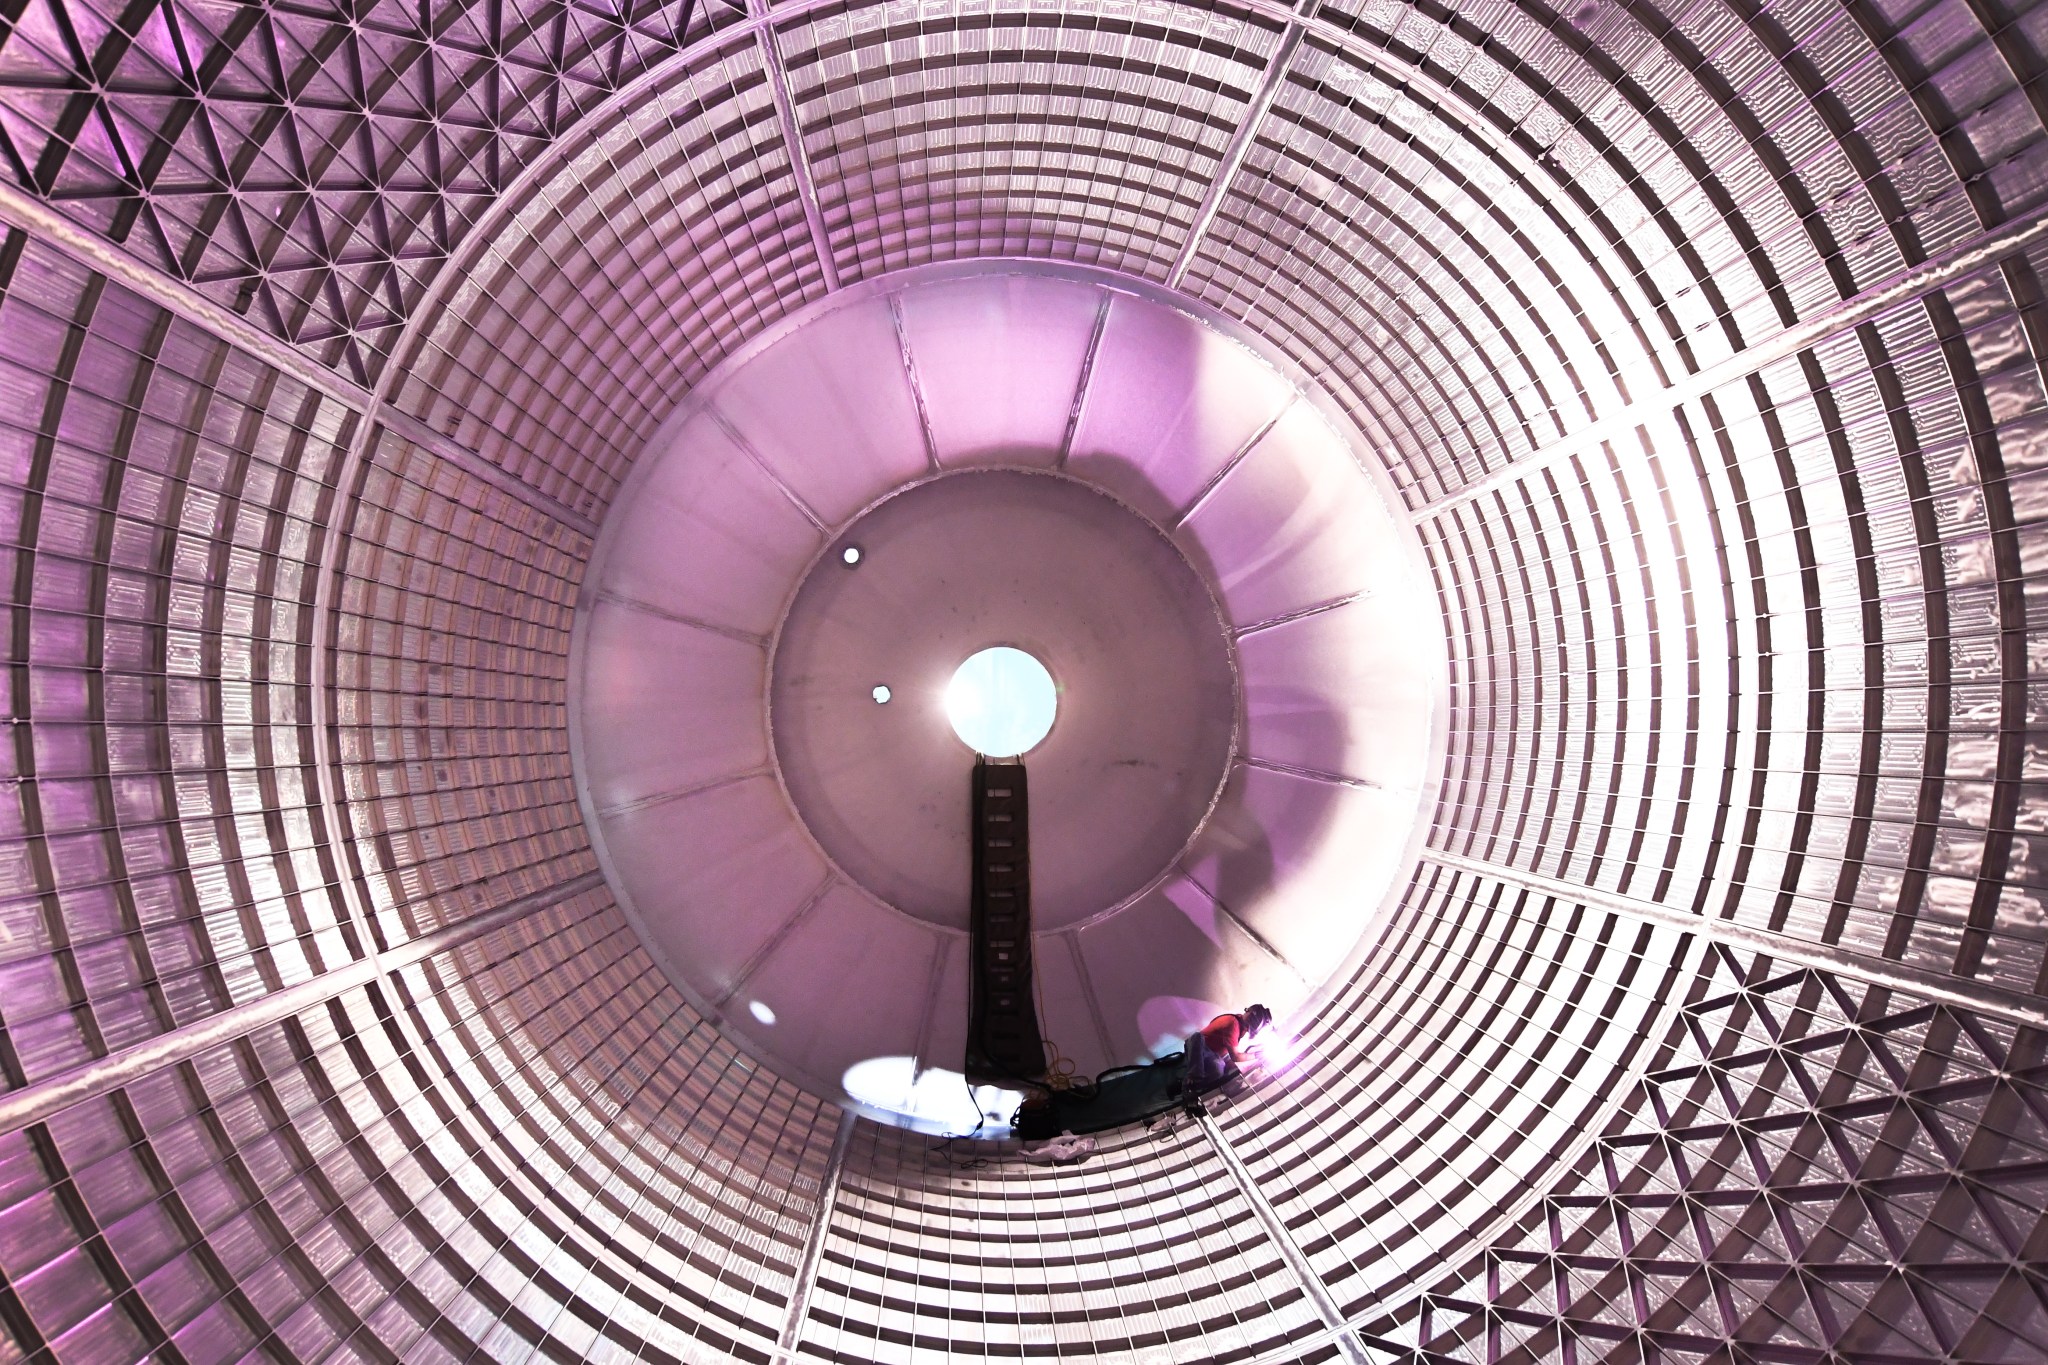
(814, 1245)
(1934, 273)
(37, 1101)
(793, 141)
(1983, 997)
(1080, 403)
(1240, 143)
(96, 254)
(1276, 1230)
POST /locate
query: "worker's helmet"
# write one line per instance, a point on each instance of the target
(1256, 1017)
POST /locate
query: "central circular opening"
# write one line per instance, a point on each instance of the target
(1001, 702)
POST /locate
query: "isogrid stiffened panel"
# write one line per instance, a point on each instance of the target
(1393, 1136)
(941, 131)
(168, 503)
(963, 1251)
(311, 168)
(1788, 1120)
(592, 310)
(466, 1155)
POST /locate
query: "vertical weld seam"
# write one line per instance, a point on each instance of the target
(924, 414)
(1276, 1230)
(1237, 458)
(814, 1244)
(775, 939)
(777, 72)
(746, 448)
(1073, 938)
(1080, 404)
(942, 953)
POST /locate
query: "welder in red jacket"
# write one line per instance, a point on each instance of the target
(1213, 1049)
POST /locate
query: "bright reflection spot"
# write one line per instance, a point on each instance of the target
(1001, 702)
(881, 694)
(933, 1100)
(850, 555)
(759, 1009)
(1165, 1021)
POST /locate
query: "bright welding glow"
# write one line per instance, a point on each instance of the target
(1276, 1050)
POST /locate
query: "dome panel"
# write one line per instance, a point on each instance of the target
(1148, 1000)
(1177, 401)
(1293, 524)
(998, 372)
(1334, 691)
(1148, 730)
(834, 421)
(719, 526)
(1288, 852)
(838, 982)
(1147, 697)
(680, 707)
(723, 875)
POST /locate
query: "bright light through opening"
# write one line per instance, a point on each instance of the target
(1001, 702)
(934, 1099)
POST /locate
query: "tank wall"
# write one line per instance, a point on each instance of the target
(1738, 556)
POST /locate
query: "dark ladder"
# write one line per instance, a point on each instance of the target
(1003, 1043)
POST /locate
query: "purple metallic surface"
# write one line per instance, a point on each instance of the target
(1700, 344)
(779, 839)
(1146, 726)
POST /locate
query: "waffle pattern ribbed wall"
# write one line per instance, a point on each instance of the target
(1704, 340)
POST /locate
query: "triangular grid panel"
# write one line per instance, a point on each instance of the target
(311, 170)
(1834, 1173)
